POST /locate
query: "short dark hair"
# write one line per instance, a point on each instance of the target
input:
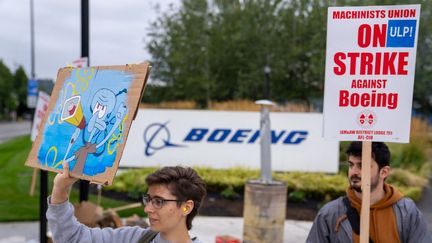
(184, 183)
(380, 152)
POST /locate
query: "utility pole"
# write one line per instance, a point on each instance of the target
(32, 51)
(84, 185)
(264, 218)
(43, 190)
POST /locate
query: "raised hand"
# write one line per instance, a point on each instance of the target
(62, 184)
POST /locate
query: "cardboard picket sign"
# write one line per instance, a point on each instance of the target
(88, 120)
(41, 108)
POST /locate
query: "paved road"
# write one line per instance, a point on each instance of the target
(10, 130)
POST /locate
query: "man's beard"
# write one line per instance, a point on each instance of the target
(357, 188)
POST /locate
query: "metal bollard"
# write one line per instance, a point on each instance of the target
(264, 211)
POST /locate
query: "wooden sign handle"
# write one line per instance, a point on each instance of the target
(365, 185)
(33, 181)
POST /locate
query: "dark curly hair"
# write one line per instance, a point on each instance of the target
(380, 152)
(184, 183)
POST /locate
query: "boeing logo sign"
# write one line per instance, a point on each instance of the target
(157, 136)
(227, 139)
(243, 136)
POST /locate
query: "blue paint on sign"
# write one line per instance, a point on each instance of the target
(401, 33)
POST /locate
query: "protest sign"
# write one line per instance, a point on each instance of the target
(80, 62)
(88, 120)
(41, 108)
(370, 64)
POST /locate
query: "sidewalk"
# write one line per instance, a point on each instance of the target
(205, 228)
(9, 130)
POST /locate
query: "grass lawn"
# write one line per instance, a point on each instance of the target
(15, 178)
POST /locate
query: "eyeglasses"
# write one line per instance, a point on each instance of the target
(157, 202)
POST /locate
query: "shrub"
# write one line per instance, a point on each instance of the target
(297, 196)
(411, 156)
(229, 193)
(405, 178)
(229, 183)
(412, 192)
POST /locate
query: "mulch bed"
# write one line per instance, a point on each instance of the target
(216, 205)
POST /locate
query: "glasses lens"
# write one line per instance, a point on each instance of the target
(157, 202)
(145, 200)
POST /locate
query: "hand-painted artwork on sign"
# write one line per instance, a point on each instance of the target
(89, 119)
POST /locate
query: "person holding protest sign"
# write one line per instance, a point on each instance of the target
(393, 218)
(173, 199)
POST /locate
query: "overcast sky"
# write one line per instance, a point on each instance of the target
(117, 32)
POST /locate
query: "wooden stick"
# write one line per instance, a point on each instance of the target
(133, 205)
(365, 185)
(33, 182)
(99, 196)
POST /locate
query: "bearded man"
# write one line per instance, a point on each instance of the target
(393, 217)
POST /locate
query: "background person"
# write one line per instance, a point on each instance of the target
(174, 196)
(393, 218)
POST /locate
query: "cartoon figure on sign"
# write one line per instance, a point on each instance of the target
(87, 124)
(102, 105)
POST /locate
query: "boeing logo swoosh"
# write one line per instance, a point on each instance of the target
(156, 137)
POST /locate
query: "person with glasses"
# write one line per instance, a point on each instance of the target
(172, 201)
(393, 217)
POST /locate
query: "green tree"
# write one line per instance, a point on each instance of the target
(20, 89)
(7, 97)
(179, 51)
(13, 91)
(301, 75)
(217, 50)
(423, 75)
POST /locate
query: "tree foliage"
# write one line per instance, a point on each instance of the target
(7, 97)
(423, 84)
(20, 89)
(13, 91)
(217, 50)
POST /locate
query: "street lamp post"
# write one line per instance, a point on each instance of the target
(265, 130)
(265, 140)
(265, 199)
(267, 71)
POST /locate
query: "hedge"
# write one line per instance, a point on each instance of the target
(301, 186)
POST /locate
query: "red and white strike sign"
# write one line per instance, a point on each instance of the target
(369, 76)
